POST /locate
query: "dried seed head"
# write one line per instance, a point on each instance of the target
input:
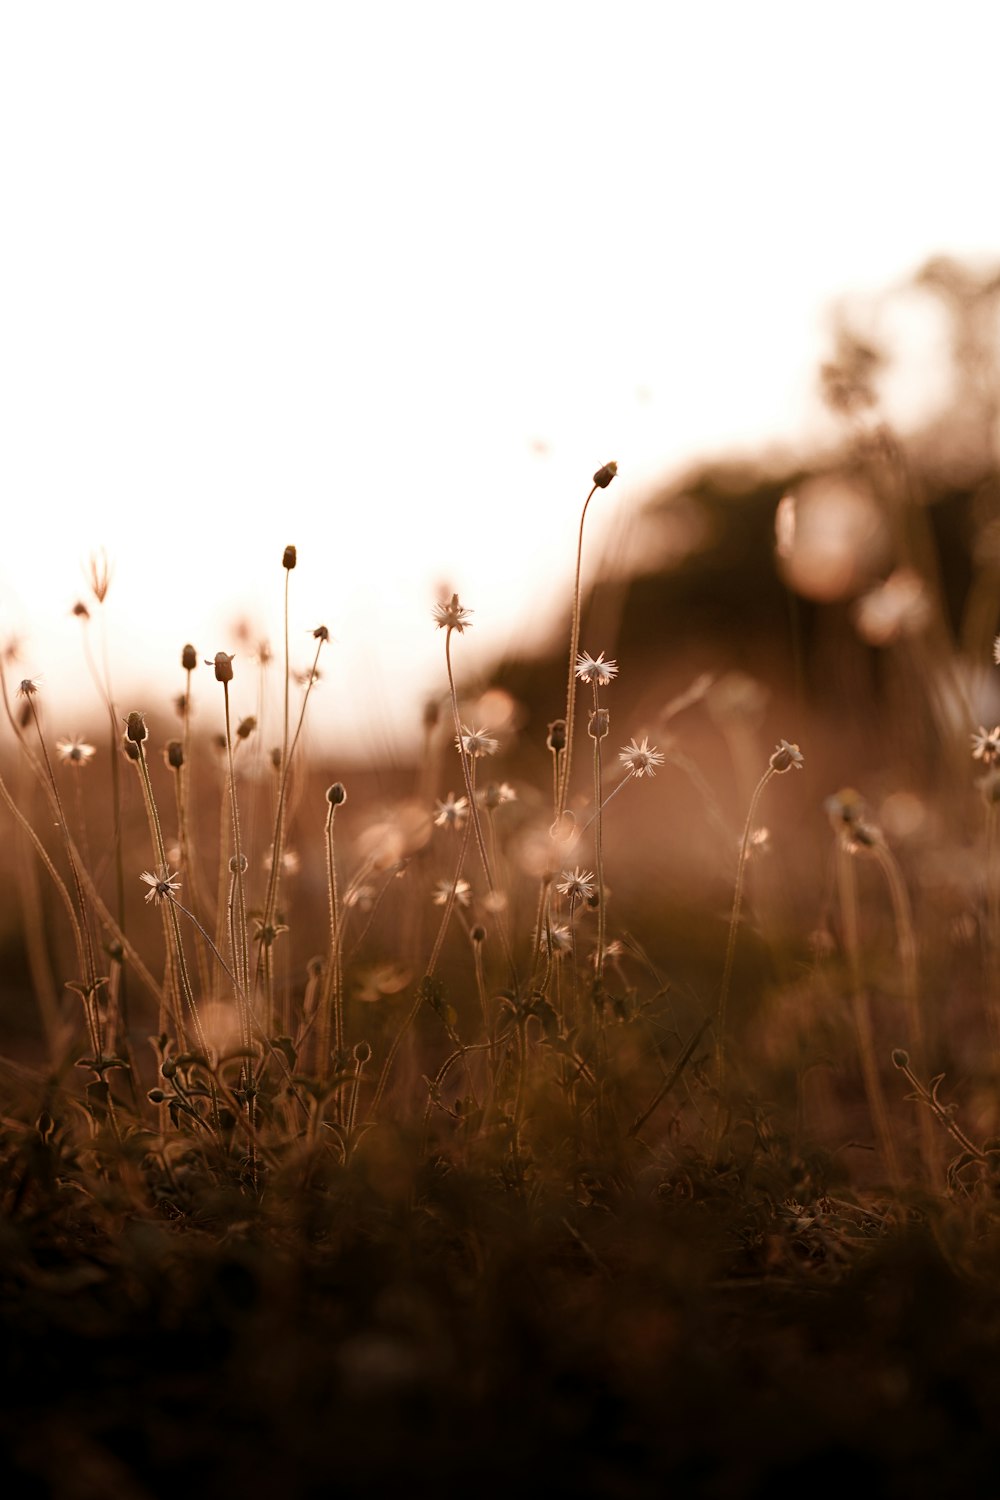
(189, 658)
(174, 754)
(336, 794)
(556, 739)
(223, 666)
(136, 730)
(604, 475)
(289, 558)
(246, 727)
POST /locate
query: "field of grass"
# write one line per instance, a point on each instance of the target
(604, 1105)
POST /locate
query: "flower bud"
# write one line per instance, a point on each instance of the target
(131, 749)
(289, 558)
(557, 735)
(478, 934)
(604, 476)
(362, 1053)
(223, 666)
(242, 864)
(174, 754)
(80, 610)
(336, 795)
(900, 1058)
(246, 727)
(321, 633)
(189, 658)
(598, 724)
(136, 728)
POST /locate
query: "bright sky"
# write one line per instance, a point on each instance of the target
(389, 281)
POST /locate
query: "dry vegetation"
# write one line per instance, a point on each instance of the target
(608, 1104)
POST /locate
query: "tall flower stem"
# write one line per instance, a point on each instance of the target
(161, 854)
(784, 758)
(602, 479)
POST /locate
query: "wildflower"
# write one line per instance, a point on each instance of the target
(986, 745)
(28, 687)
(452, 616)
(75, 752)
(556, 939)
(579, 886)
(452, 812)
(162, 886)
(495, 796)
(444, 888)
(787, 757)
(592, 670)
(476, 742)
(640, 760)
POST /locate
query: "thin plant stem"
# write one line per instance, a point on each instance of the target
(574, 646)
(847, 887)
(734, 922)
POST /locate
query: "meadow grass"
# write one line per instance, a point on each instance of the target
(429, 1019)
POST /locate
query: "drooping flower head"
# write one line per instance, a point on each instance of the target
(787, 757)
(161, 886)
